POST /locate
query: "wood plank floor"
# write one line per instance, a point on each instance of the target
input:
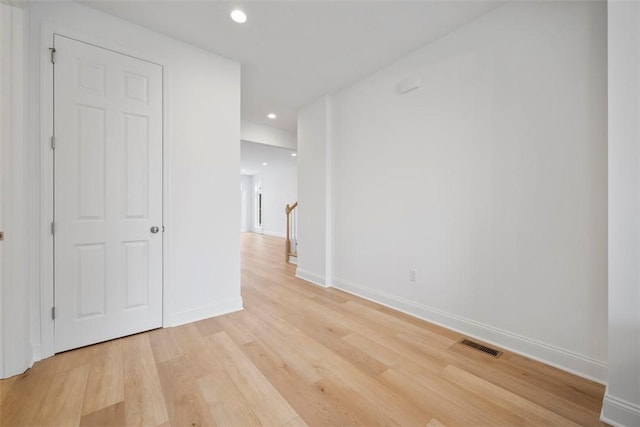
(297, 355)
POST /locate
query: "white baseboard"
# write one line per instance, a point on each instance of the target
(36, 354)
(567, 361)
(11, 373)
(310, 277)
(618, 413)
(223, 307)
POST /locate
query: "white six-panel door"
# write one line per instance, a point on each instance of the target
(107, 194)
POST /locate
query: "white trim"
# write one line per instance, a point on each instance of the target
(46, 347)
(554, 356)
(167, 253)
(328, 193)
(310, 277)
(45, 120)
(224, 307)
(618, 412)
(15, 333)
(5, 137)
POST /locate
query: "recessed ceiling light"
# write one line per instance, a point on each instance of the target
(293, 154)
(238, 16)
(272, 116)
(264, 164)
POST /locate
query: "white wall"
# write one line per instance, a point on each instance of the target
(314, 195)
(622, 399)
(15, 348)
(201, 143)
(489, 181)
(246, 203)
(254, 132)
(279, 188)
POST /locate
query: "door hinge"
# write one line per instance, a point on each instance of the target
(53, 313)
(53, 142)
(53, 228)
(53, 54)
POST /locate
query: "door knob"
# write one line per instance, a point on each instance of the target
(155, 229)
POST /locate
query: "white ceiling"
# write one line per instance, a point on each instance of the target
(254, 154)
(293, 52)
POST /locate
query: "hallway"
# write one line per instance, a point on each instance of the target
(297, 355)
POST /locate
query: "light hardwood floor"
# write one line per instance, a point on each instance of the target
(297, 355)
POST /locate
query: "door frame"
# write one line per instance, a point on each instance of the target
(46, 346)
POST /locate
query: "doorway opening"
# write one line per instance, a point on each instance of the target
(268, 183)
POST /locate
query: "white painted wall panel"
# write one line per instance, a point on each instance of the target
(15, 344)
(489, 181)
(622, 399)
(313, 137)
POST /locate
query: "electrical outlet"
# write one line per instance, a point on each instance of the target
(412, 275)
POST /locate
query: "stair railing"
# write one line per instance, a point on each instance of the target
(291, 247)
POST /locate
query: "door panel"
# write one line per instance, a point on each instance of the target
(108, 194)
(90, 163)
(136, 154)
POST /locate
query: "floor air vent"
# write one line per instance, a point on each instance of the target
(480, 347)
